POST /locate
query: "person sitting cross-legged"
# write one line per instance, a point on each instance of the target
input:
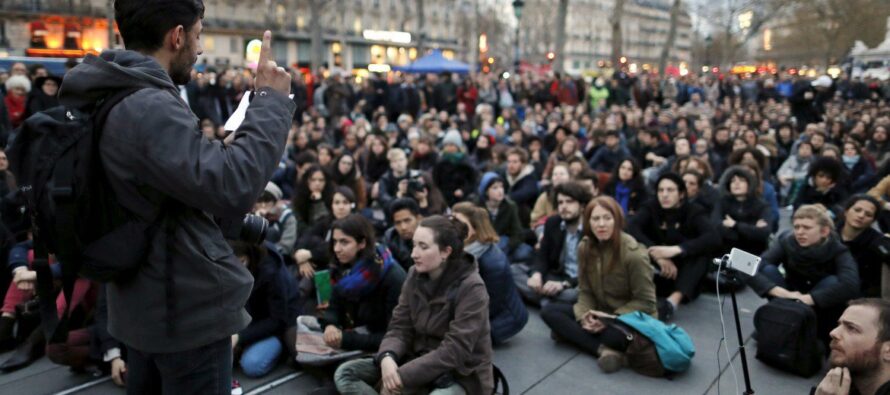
(553, 275)
(614, 277)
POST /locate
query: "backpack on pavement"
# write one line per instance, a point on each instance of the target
(787, 337)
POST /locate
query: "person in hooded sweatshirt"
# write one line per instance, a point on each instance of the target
(819, 269)
(504, 217)
(178, 313)
(740, 215)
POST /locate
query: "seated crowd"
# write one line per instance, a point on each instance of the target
(417, 245)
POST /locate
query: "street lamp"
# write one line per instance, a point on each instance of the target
(517, 11)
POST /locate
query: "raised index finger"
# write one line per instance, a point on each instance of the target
(266, 49)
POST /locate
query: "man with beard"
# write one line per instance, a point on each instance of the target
(180, 314)
(860, 351)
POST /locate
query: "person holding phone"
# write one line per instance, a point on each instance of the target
(367, 282)
(614, 277)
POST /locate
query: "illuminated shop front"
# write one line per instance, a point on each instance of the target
(67, 37)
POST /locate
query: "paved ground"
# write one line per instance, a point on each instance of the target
(532, 362)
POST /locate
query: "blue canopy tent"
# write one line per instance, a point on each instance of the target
(435, 63)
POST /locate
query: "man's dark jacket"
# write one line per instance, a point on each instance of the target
(152, 149)
(546, 259)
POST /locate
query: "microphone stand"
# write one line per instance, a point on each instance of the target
(728, 273)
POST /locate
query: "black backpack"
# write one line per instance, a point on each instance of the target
(787, 337)
(72, 209)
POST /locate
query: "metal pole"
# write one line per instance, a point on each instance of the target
(738, 328)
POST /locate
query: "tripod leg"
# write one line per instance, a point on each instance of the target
(738, 328)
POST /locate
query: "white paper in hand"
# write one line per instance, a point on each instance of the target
(234, 121)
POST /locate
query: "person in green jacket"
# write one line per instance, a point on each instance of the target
(598, 94)
(614, 278)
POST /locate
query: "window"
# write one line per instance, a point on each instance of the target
(234, 45)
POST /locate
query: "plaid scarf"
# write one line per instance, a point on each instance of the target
(365, 275)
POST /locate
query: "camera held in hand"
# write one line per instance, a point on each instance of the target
(415, 185)
(250, 229)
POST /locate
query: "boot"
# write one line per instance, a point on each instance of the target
(610, 361)
(26, 353)
(7, 340)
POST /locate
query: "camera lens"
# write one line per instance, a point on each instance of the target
(254, 229)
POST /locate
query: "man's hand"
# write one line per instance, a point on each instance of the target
(761, 223)
(268, 74)
(665, 252)
(535, 282)
(552, 288)
(836, 382)
(306, 270)
(668, 268)
(728, 222)
(24, 279)
(389, 371)
(333, 336)
(118, 370)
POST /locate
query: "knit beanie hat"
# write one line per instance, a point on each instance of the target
(488, 179)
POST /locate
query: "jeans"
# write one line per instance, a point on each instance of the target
(202, 370)
(357, 377)
(259, 358)
(521, 254)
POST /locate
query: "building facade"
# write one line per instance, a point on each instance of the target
(356, 34)
(645, 27)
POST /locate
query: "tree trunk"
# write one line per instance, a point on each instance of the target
(617, 39)
(109, 14)
(316, 36)
(421, 35)
(672, 35)
(561, 15)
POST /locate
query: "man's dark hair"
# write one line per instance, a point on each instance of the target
(883, 308)
(305, 157)
(589, 174)
(830, 167)
(403, 204)
(143, 24)
(574, 190)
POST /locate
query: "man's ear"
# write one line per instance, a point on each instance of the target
(825, 232)
(885, 351)
(177, 37)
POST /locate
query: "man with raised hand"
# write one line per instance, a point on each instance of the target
(178, 315)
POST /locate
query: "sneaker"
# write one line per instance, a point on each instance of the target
(236, 388)
(610, 361)
(665, 310)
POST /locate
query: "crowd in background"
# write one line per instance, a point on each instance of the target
(588, 198)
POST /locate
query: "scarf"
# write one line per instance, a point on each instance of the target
(453, 158)
(364, 276)
(622, 195)
(850, 161)
(476, 249)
